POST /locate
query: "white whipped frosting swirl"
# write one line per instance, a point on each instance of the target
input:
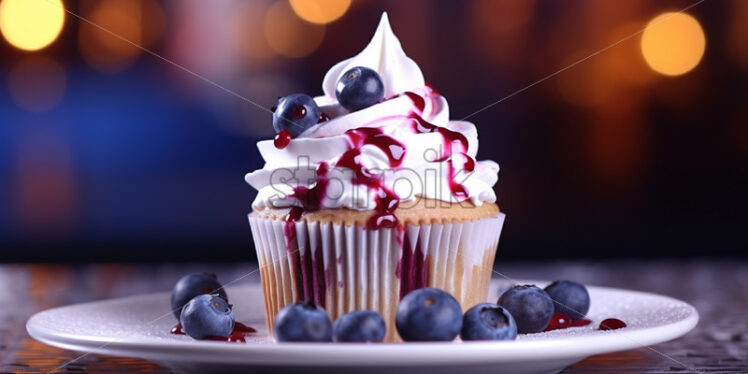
(385, 55)
(415, 151)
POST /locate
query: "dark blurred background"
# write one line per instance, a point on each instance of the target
(109, 153)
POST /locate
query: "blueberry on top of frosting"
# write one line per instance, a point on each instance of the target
(295, 113)
(358, 88)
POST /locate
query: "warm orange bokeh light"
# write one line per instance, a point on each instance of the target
(499, 27)
(36, 83)
(673, 43)
(320, 11)
(31, 24)
(737, 31)
(587, 84)
(126, 18)
(247, 31)
(288, 35)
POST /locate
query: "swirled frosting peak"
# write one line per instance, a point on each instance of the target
(401, 149)
(385, 55)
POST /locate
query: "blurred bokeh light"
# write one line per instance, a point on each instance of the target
(36, 83)
(673, 43)
(45, 189)
(31, 24)
(738, 32)
(320, 11)
(503, 23)
(248, 31)
(288, 35)
(146, 161)
(139, 22)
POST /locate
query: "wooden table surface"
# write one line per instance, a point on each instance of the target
(719, 290)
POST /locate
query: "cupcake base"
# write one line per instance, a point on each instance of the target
(343, 266)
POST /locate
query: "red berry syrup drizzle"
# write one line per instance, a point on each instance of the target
(282, 139)
(386, 201)
(419, 125)
(412, 265)
(413, 268)
(313, 277)
(237, 335)
(309, 270)
(449, 137)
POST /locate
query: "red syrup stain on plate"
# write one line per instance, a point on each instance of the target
(559, 321)
(611, 324)
(562, 321)
(237, 335)
(581, 322)
(177, 329)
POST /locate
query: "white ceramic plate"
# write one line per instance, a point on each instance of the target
(139, 327)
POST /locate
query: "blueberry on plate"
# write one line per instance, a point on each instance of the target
(488, 322)
(530, 306)
(428, 314)
(207, 316)
(302, 322)
(358, 88)
(570, 298)
(295, 113)
(360, 326)
(192, 285)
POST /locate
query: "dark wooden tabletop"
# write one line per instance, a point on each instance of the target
(719, 290)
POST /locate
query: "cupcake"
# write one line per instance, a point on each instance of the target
(370, 191)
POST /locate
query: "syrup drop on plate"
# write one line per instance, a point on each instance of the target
(562, 321)
(237, 335)
(177, 329)
(559, 321)
(611, 324)
(581, 322)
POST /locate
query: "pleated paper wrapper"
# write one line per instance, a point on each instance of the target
(344, 268)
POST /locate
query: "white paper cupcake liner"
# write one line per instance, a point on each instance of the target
(346, 268)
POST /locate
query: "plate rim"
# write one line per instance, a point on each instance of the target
(316, 354)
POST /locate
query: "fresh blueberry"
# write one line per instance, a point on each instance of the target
(302, 322)
(359, 88)
(192, 285)
(530, 306)
(359, 326)
(570, 298)
(295, 113)
(488, 322)
(428, 314)
(206, 316)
